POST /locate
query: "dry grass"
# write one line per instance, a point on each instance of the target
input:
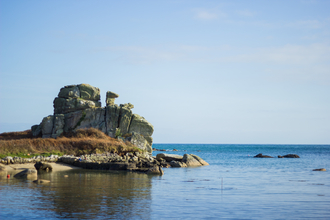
(84, 141)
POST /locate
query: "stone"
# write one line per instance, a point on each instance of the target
(200, 160)
(139, 141)
(190, 160)
(169, 157)
(47, 126)
(27, 174)
(72, 120)
(40, 181)
(94, 118)
(262, 156)
(127, 105)
(69, 92)
(43, 166)
(63, 106)
(140, 125)
(156, 170)
(110, 98)
(36, 130)
(177, 164)
(58, 128)
(2, 168)
(125, 116)
(89, 92)
(111, 119)
(289, 156)
(321, 169)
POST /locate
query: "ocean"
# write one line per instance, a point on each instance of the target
(234, 186)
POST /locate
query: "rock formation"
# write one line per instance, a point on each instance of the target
(79, 106)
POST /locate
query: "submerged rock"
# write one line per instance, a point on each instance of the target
(262, 156)
(321, 169)
(38, 181)
(289, 156)
(27, 174)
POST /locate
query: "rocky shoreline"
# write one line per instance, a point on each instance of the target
(137, 162)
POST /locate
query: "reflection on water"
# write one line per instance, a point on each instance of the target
(84, 194)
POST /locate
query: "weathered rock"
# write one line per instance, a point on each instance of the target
(262, 156)
(192, 160)
(58, 127)
(111, 120)
(157, 170)
(139, 141)
(47, 126)
(200, 160)
(177, 164)
(127, 105)
(2, 168)
(36, 130)
(94, 118)
(89, 92)
(289, 156)
(69, 92)
(72, 120)
(110, 98)
(169, 157)
(27, 174)
(40, 181)
(63, 106)
(321, 169)
(140, 125)
(43, 166)
(125, 116)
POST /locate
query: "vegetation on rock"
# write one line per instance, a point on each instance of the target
(82, 141)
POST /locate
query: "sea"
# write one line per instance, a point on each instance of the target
(234, 186)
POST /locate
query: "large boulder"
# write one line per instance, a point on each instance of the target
(110, 98)
(43, 166)
(47, 126)
(89, 92)
(27, 174)
(69, 92)
(58, 127)
(93, 118)
(139, 141)
(193, 160)
(169, 157)
(140, 125)
(62, 105)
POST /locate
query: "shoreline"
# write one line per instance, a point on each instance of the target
(56, 167)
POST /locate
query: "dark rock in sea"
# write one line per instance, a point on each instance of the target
(321, 169)
(27, 174)
(157, 170)
(154, 149)
(43, 166)
(38, 181)
(289, 156)
(262, 156)
(175, 150)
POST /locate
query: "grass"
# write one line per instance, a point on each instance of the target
(83, 141)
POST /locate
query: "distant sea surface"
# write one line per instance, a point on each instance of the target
(234, 186)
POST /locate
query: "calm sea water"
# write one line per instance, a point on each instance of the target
(234, 186)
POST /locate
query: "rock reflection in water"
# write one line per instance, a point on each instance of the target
(96, 194)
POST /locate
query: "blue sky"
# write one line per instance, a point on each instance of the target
(245, 72)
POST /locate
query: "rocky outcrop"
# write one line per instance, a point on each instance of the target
(79, 106)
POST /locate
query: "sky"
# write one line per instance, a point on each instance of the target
(200, 71)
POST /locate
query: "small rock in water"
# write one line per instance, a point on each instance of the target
(262, 156)
(321, 169)
(41, 181)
